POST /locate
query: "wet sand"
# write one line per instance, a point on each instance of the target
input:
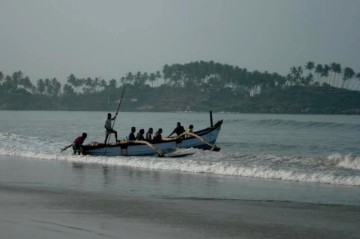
(31, 211)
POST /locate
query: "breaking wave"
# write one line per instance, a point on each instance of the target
(296, 124)
(332, 169)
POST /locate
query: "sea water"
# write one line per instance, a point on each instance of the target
(301, 158)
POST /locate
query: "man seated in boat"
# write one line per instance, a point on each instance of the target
(178, 130)
(109, 128)
(140, 135)
(149, 135)
(157, 137)
(190, 130)
(132, 134)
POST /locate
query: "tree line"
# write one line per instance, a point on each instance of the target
(195, 82)
(328, 74)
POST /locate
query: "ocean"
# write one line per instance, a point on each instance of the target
(276, 176)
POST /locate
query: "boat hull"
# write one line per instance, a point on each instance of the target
(206, 138)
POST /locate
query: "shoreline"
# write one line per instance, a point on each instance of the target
(57, 213)
(57, 199)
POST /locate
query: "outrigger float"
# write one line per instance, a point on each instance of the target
(202, 139)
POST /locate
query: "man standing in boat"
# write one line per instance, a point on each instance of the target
(109, 128)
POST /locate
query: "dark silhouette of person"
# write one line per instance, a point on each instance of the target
(157, 136)
(140, 135)
(109, 128)
(132, 134)
(78, 142)
(149, 134)
(178, 130)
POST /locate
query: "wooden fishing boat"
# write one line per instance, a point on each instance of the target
(202, 139)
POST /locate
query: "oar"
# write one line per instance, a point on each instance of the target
(66, 147)
(160, 153)
(213, 146)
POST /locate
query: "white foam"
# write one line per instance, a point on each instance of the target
(203, 162)
(349, 161)
(334, 169)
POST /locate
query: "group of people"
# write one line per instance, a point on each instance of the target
(149, 136)
(180, 129)
(157, 136)
(140, 135)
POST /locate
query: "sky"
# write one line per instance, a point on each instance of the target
(109, 38)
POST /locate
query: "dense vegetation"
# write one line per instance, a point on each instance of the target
(196, 86)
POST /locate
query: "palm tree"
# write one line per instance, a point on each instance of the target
(72, 80)
(310, 65)
(26, 83)
(158, 76)
(308, 79)
(145, 78)
(296, 75)
(112, 84)
(123, 80)
(333, 69)
(97, 84)
(337, 69)
(40, 86)
(152, 78)
(129, 77)
(358, 77)
(68, 90)
(103, 84)
(47, 86)
(15, 80)
(325, 72)
(1, 77)
(348, 75)
(55, 87)
(319, 70)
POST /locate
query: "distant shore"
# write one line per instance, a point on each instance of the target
(195, 86)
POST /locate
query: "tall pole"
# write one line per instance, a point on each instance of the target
(117, 110)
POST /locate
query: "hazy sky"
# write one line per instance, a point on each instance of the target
(108, 38)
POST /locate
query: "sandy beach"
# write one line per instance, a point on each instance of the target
(37, 210)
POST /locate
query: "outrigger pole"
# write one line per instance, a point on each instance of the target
(213, 146)
(160, 153)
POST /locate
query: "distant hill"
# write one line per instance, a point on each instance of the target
(195, 86)
(302, 100)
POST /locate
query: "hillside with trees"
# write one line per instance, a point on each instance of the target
(195, 86)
